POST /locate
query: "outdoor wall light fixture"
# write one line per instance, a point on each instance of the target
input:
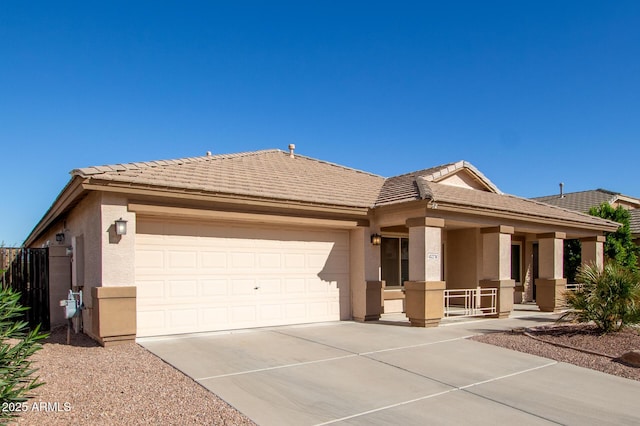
(60, 237)
(121, 227)
(376, 239)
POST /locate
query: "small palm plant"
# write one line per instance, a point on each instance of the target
(609, 297)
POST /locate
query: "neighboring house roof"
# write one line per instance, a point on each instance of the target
(634, 223)
(582, 201)
(269, 174)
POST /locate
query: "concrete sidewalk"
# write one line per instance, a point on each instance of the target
(353, 373)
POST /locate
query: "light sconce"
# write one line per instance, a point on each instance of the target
(121, 227)
(60, 237)
(376, 239)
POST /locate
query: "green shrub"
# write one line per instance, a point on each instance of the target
(17, 344)
(609, 297)
(619, 246)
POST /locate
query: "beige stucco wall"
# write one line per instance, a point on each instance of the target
(551, 261)
(118, 252)
(527, 268)
(107, 260)
(357, 241)
(496, 255)
(81, 221)
(462, 179)
(463, 250)
(425, 257)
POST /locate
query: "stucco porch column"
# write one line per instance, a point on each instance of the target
(425, 288)
(496, 267)
(366, 288)
(551, 285)
(593, 251)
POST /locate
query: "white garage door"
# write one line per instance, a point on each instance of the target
(195, 277)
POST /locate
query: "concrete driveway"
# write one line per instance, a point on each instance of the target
(362, 374)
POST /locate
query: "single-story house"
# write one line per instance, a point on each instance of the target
(271, 237)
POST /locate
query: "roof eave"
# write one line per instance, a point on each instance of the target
(222, 198)
(606, 226)
(69, 194)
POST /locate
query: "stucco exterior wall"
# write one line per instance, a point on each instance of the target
(357, 278)
(462, 180)
(463, 252)
(118, 251)
(527, 268)
(82, 222)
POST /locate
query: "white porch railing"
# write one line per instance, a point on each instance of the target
(470, 302)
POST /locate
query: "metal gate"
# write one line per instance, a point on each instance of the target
(26, 270)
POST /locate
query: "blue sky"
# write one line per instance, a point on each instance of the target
(533, 93)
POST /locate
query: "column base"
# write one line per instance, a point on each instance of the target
(550, 294)
(424, 323)
(114, 315)
(373, 303)
(424, 302)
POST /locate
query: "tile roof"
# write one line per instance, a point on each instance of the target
(405, 187)
(584, 200)
(452, 195)
(271, 174)
(580, 201)
(634, 223)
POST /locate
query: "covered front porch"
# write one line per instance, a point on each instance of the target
(461, 265)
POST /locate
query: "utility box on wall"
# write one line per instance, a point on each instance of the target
(114, 314)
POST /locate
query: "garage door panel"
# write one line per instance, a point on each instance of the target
(243, 260)
(338, 261)
(294, 261)
(154, 320)
(181, 259)
(150, 259)
(270, 260)
(181, 289)
(267, 287)
(243, 287)
(150, 291)
(182, 318)
(214, 316)
(271, 312)
(221, 277)
(319, 309)
(295, 285)
(213, 260)
(244, 315)
(212, 288)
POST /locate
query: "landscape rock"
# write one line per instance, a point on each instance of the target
(631, 358)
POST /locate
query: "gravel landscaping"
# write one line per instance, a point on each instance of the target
(548, 342)
(124, 385)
